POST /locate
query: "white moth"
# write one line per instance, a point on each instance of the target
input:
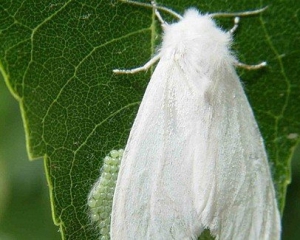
(195, 158)
(101, 195)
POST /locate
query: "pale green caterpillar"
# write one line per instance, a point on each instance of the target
(101, 195)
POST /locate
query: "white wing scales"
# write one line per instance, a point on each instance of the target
(242, 192)
(195, 158)
(154, 192)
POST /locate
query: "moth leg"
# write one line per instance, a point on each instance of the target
(159, 17)
(233, 29)
(250, 67)
(151, 62)
(235, 26)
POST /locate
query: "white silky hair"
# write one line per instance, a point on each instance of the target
(195, 158)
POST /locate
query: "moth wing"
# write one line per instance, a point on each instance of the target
(153, 197)
(195, 159)
(240, 198)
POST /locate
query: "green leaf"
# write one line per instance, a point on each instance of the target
(57, 59)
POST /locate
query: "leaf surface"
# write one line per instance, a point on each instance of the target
(57, 58)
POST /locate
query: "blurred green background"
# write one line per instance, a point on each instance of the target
(25, 212)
